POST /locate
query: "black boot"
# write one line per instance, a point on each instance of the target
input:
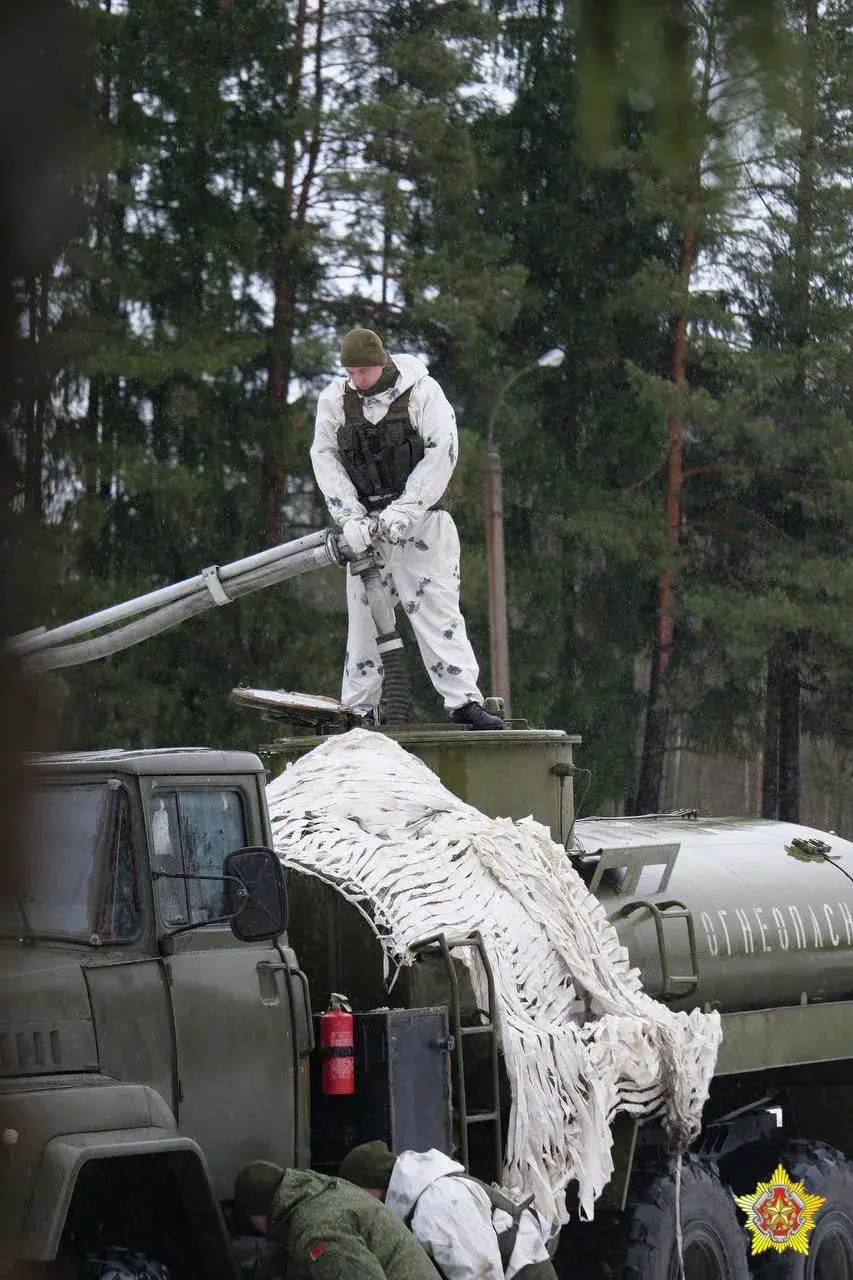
(476, 716)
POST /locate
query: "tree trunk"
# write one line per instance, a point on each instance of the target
(781, 781)
(789, 736)
(801, 326)
(647, 799)
(281, 364)
(295, 204)
(770, 776)
(91, 452)
(657, 718)
(34, 442)
(786, 690)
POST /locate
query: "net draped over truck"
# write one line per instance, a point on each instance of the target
(580, 1038)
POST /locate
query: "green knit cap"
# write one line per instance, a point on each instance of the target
(255, 1186)
(369, 1165)
(362, 349)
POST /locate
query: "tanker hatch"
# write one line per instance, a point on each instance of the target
(516, 773)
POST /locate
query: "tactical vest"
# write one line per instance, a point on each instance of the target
(507, 1237)
(378, 457)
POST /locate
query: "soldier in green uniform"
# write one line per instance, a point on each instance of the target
(331, 1229)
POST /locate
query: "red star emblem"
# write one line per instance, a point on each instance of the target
(780, 1212)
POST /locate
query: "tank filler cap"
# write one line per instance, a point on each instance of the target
(810, 850)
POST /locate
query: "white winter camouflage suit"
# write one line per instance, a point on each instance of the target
(455, 1222)
(421, 571)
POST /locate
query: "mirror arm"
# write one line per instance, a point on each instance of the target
(241, 893)
(197, 875)
(200, 924)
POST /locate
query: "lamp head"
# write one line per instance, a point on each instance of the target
(552, 359)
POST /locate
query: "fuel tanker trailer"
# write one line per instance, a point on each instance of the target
(754, 919)
(733, 914)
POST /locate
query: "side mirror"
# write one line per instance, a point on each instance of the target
(255, 893)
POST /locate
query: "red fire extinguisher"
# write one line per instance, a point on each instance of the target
(337, 1047)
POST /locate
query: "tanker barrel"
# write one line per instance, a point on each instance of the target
(738, 913)
(170, 606)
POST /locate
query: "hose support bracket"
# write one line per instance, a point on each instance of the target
(213, 582)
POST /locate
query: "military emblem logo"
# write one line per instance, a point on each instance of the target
(780, 1214)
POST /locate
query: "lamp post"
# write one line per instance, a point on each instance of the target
(495, 561)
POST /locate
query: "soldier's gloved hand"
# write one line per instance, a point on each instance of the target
(393, 524)
(358, 534)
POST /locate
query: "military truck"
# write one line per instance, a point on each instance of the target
(752, 918)
(155, 1024)
(156, 1028)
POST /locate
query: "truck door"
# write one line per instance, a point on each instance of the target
(233, 1019)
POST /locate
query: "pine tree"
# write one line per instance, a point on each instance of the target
(766, 477)
(797, 277)
(572, 440)
(645, 53)
(202, 284)
(160, 437)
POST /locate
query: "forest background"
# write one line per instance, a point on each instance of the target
(663, 190)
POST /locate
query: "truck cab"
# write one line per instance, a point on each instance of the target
(148, 1048)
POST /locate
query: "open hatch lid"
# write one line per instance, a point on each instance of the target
(297, 708)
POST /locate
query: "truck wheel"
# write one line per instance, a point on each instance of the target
(122, 1264)
(824, 1172)
(641, 1243)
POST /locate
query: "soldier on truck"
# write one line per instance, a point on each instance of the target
(385, 447)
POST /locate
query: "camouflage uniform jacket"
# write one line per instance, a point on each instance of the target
(335, 1231)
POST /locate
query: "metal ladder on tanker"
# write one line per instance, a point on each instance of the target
(444, 946)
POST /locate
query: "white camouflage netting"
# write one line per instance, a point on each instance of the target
(581, 1040)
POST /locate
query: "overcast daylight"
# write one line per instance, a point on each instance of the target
(426, 691)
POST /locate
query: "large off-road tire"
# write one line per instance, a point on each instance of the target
(641, 1242)
(122, 1264)
(824, 1172)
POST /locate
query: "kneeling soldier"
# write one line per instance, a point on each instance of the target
(331, 1229)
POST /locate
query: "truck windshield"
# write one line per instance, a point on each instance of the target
(79, 879)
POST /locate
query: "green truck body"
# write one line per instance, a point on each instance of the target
(127, 1036)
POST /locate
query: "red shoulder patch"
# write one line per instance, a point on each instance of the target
(315, 1251)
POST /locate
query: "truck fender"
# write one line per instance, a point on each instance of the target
(63, 1158)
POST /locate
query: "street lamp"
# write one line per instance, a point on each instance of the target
(495, 562)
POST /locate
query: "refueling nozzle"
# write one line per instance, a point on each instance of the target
(398, 698)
